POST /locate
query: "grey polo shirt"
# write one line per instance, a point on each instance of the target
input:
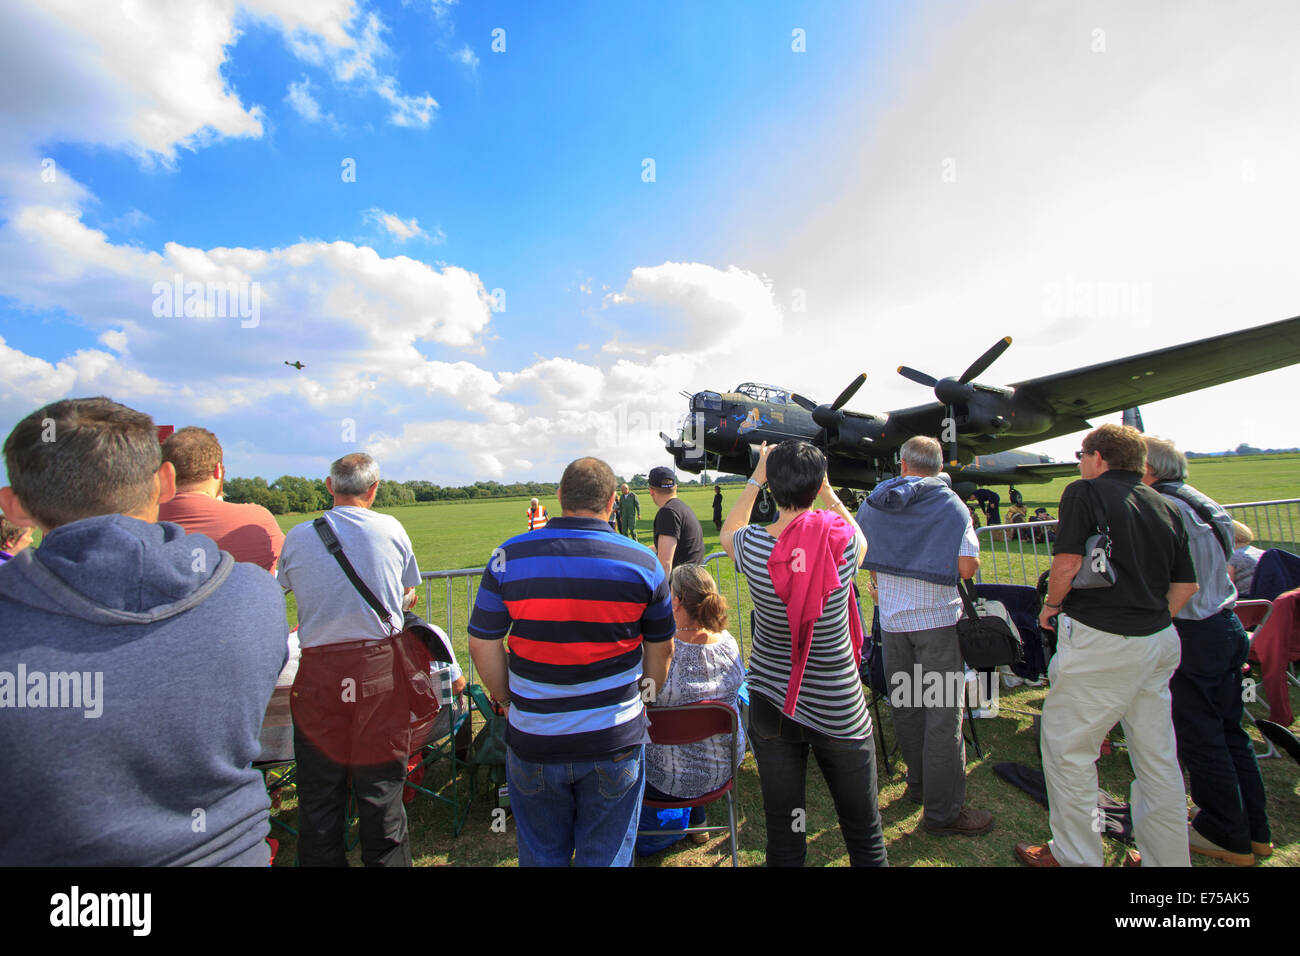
(330, 609)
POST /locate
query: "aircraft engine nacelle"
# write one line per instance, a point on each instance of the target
(994, 415)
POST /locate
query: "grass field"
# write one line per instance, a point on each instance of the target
(462, 535)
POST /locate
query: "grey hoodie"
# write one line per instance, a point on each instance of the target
(136, 664)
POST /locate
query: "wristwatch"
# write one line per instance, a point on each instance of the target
(751, 481)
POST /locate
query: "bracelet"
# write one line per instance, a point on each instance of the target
(751, 481)
(1050, 604)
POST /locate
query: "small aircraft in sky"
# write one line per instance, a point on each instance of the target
(298, 365)
(979, 425)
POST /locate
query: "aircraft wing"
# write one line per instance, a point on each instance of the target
(1141, 379)
(1048, 469)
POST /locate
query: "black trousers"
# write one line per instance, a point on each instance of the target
(1212, 744)
(350, 718)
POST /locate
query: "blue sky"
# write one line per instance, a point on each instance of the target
(922, 175)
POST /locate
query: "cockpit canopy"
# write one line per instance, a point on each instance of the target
(764, 393)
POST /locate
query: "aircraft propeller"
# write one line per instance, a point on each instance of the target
(829, 416)
(955, 390)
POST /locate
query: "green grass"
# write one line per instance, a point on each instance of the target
(462, 534)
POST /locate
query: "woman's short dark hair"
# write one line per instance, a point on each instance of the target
(83, 457)
(795, 472)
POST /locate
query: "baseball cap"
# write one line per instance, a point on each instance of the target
(663, 477)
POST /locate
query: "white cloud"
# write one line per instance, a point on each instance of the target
(466, 57)
(397, 227)
(302, 101)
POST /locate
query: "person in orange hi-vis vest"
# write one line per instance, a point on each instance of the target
(536, 515)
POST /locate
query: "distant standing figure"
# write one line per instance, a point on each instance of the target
(537, 516)
(629, 510)
(989, 505)
(717, 508)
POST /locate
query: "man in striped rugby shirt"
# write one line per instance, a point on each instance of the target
(590, 620)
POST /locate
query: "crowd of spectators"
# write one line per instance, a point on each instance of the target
(150, 631)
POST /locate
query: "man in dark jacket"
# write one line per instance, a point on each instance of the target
(1232, 824)
(136, 661)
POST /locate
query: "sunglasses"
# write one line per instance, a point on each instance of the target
(1078, 455)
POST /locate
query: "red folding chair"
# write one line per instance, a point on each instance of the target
(689, 724)
(1252, 615)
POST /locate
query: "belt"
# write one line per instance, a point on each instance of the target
(345, 646)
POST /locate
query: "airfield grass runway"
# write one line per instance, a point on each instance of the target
(462, 535)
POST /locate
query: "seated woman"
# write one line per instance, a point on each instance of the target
(706, 665)
(804, 689)
(1241, 566)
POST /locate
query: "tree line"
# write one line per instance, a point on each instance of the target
(290, 493)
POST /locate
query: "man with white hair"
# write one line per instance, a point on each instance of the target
(922, 542)
(537, 516)
(349, 717)
(1232, 824)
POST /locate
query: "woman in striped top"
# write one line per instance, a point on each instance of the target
(805, 693)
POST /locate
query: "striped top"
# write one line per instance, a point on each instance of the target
(830, 698)
(577, 600)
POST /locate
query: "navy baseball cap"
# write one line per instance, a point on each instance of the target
(663, 477)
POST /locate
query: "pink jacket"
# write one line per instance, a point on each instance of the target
(804, 567)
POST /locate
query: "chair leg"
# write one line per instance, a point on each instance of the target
(880, 728)
(731, 816)
(974, 734)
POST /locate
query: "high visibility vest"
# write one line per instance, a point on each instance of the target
(537, 519)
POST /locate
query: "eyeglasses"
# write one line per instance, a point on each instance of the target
(1078, 455)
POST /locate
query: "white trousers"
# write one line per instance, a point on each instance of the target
(1099, 679)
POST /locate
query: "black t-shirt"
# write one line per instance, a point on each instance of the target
(1149, 551)
(676, 520)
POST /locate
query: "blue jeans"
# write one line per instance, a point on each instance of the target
(781, 748)
(590, 806)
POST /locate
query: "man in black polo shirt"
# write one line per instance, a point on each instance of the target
(679, 539)
(1116, 652)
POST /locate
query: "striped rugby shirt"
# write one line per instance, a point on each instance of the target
(830, 698)
(577, 600)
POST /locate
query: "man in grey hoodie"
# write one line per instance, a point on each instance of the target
(136, 661)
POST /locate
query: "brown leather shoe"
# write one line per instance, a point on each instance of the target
(1132, 858)
(1206, 847)
(1261, 850)
(968, 823)
(1032, 854)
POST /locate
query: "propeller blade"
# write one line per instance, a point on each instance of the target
(807, 404)
(985, 360)
(849, 392)
(920, 378)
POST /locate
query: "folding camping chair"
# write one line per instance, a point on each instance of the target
(432, 743)
(1252, 615)
(688, 724)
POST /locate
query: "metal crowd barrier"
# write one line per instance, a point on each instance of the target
(1026, 552)
(465, 581)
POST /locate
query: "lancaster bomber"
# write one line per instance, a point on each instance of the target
(978, 424)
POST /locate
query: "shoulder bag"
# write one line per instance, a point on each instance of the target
(986, 633)
(414, 647)
(1096, 570)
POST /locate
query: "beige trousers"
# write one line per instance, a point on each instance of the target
(1099, 679)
